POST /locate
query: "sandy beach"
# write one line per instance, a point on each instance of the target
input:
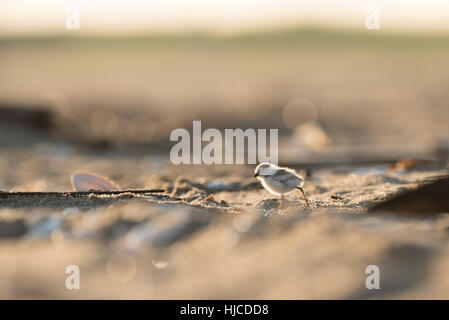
(215, 231)
(361, 117)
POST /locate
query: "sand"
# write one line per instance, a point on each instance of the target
(215, 234)
(348, 105)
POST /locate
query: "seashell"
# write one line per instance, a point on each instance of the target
(89, 181)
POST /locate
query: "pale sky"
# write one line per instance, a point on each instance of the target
(133, 16)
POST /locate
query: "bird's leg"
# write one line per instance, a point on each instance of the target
(300, 189)
(280, 204)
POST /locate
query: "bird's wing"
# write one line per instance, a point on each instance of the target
(286, 177)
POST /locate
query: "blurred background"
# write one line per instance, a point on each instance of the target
(135, 71)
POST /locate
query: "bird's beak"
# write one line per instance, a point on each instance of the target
(256, 175)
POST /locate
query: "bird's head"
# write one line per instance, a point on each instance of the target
(265, 169)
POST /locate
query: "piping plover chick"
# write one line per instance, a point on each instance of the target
(279, 181)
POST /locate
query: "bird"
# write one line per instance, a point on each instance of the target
(279, 180)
